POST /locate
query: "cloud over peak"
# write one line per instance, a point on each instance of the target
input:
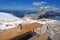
(51, 7)
(38, 3)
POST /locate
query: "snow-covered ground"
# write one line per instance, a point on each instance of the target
(8, 21)
(12, 21)
(53, 25)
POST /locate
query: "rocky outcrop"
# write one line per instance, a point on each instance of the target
(35, 16)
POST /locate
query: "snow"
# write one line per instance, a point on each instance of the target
(43, 21)
(6, 18)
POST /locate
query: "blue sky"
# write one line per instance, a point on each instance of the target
(27, 4)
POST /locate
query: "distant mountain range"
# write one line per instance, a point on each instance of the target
(43, 13)
(19, 13)
(49, 14)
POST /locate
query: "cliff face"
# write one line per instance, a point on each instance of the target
(54, 28)
(35, 16)
(43, 13)
(49, 14)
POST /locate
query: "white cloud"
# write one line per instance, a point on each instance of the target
(51, 7)
(43, 2)
(38, 3)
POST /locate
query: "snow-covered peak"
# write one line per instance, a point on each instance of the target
(7, 17)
